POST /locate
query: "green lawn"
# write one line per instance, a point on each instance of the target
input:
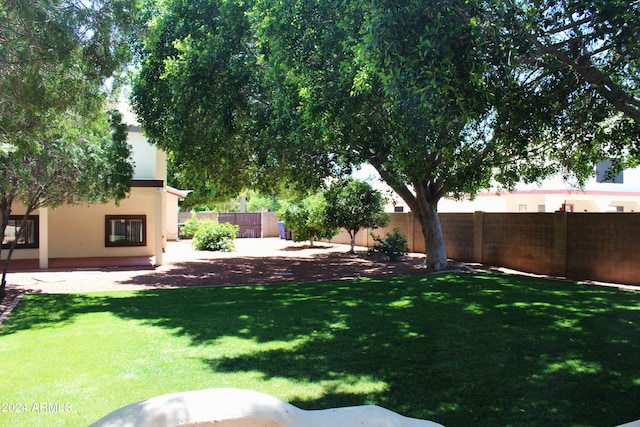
(462, 350)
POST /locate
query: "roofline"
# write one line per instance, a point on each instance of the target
(180, 193)
(563, 192)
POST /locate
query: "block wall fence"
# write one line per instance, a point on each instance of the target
(580, 246)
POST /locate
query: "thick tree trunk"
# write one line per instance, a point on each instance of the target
(5, 207)
(5, 211)
(433, 237)
(427, 196)
(424, 205)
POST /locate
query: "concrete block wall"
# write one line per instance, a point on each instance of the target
(459, 235)
(604, 246)
(521, 241)
(583, 246)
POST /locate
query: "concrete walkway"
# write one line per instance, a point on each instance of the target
(21, 265)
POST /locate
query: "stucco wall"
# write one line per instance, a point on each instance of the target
(79, 231)
(172, 216)
(144, 156)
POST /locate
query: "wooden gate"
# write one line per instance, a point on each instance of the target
(250, 223)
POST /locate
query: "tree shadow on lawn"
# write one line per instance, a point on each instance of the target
(457, 349)
(235, 270)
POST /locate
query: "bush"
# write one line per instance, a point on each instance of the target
(307, 219)
(190, 227)
(394, 246)
(214, 236)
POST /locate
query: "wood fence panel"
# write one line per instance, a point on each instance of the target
(250, 223)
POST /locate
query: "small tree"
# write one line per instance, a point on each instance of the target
(307, 219)
(354, 205)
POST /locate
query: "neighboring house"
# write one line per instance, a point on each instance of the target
(138, 226)
(599, 194)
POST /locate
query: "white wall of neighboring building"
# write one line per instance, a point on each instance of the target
(144, 157)
(548, 196)
(631, 183)
(149, 161)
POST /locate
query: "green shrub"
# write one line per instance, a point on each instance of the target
(394, 245)
(190, 227)
(214, 236)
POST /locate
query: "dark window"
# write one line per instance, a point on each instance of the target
(604, 173)
(25, 232)
(398, 208)
(125, 230)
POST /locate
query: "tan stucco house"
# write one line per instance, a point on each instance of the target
(138, 226)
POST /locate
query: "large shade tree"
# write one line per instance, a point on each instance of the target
(81, 159)
(58, 59)
(588, 52)
(55, 55)
(442, 98)
(595, 40)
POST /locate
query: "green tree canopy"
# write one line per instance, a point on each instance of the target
(57, 54)
(594, 40)
(259, 202)
(440, 97)
(586, 56)
(354, 205)
(307, 218)
(56, 59)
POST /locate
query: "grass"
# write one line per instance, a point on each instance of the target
(482, 350)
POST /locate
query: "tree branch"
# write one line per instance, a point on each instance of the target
(569, 26)
(396, 184)
(609, 90)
